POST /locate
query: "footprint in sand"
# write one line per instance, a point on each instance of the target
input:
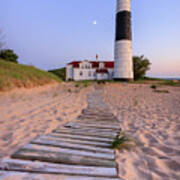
(59, 119)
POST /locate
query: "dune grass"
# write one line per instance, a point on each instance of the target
(16, 75)
(123, 142)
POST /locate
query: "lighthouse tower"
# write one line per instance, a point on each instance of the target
(123, 68)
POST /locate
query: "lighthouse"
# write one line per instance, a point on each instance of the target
(123, 65)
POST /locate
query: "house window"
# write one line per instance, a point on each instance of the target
(89, 74)
(81, 73)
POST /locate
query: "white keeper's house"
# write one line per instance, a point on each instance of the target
(89, 70)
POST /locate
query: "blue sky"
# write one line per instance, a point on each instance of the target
(50, 33)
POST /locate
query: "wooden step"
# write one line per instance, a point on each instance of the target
(89, 129)
(84, 125)
(98, 123)
(56, 157)
(84, 137)
(87, 132)
(77, 141)
(13, 175)
(110, 118)
(76, 146)
(50, 168)
(69, 151)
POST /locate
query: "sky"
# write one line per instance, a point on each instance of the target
(50, 33)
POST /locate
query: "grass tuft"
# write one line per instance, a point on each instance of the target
(76, 85)
(170, 83)
(69, 90)
(123, 142)
(153, 86)
(135, 102)
(161, 91)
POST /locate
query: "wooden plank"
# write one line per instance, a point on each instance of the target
(77, 125)
(78, 141)
(50, 168)
(93, 133)
(99, 123)
(99, 118)
(82, 137)
(89, 130)
(13, 175)
(55, 157)
(69, 151)
(77, 146)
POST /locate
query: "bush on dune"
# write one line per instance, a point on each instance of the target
(8, 55)
(60, 73)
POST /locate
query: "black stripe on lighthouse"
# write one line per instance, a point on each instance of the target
(123, 25)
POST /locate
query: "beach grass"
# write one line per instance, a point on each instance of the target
(123, 142)
(14, 75)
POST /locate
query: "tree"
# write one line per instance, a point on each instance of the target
(60, 73)
(141, 66)
(8, 55)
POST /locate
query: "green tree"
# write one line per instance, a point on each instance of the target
(8, 55)
(60, 73)
(141, 66)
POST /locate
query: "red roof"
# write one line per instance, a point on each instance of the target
(74, 64)
(109, 64)
(95, 64)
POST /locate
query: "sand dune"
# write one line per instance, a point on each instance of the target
(25, 114)
(153, 120)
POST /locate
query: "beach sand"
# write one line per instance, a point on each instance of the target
(149, 118)
(152, 120)
(27, 113)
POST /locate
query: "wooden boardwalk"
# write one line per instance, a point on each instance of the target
(79, 150)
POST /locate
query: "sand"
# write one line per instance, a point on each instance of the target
(27, 113)
(152, 120)
(149, 118)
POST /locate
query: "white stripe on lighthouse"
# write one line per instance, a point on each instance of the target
(123, 60)
(123, 5)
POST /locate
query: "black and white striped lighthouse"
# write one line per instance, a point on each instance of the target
(123, 66)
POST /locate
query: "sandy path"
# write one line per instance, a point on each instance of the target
(24, 114)
(153, 119)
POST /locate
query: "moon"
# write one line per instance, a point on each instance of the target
(94, 22)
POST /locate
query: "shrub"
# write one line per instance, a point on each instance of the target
(153, 86)
(76, 85)
(101, 82)
(141, 66)
(8, 55)
(60, 73)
